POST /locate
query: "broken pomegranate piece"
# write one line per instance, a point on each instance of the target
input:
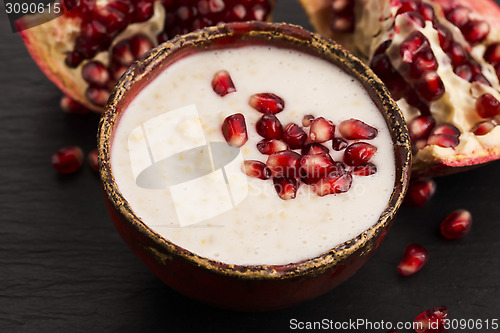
(413, 260)
(431, 321)
(452, 79)
(85, 51)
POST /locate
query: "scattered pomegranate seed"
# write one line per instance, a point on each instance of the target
(294, 136)
(359, 153)
(492, 54)
(68, 159)
(421, 127)
(307, 120)
(271, 146)
(420, 191)
(222, 83)
(476, 31)
(269, 127)
(314, 149)
(267, 103)
(354, 129)
(484, 127)
(431, 321)
(414, 259)
(94, 72)
(93, 160)
(430, 87)
(365, 170)
(316, 166)
(487, 106)
(321, 130)
(69, 105)
(284, 164)
(234, 130)
(457, 224)
(339, 144)
(333, 184)
(286, 187)
(256, 169)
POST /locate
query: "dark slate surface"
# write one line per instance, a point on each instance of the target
(63, 268)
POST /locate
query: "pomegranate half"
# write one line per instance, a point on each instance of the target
(85, 51)
(440, 59)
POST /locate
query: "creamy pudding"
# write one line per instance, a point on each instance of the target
(172, 163)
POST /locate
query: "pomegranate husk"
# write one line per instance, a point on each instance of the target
(52, 61)
(320, 16)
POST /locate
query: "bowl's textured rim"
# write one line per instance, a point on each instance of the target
(293, 36)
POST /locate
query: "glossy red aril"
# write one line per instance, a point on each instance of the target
(307, 120)
(420, 191)
(333, 184)
(487, 106)
(222, 83)
(321, 130)
(421, 127)
(269, 127)
(94, 72)
(314, 149)
(68, 159)
(485, 127)
(284, 164)
(457, 224)
(476, 31)
(444, 135)
(316, 166)
(413, 260)
(339, 144)
(256, 169)
(430, 87)
(286, 187)
(294, 136)
(93, 160)
(359, 153)
(267, 103)
(271, 146)
(492, 53)
(431, 321)
(354, 129)
(365, 170)
(234, 130)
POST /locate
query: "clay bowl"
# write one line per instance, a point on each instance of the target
(248, 287)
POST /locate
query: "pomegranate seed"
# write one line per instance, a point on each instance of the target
(339, 144)
(447, 129)
(342, 24)
(117, 71)
(487, 106)
(421, 127)
(294, 136)
(121, 53)
(333, 184)
(414, 100)
(464, 71)
(69, 105)
(420, 191)
(269, 127)
(442, 140)
(69, 4)
(476, 31)
(234, 130)
(341, 6)
(481, 79)
(407, 6)
(286, 187)
(93, 160)
(457, 224)
(354, 129)
(256, 169)
(73, 59)
(427, 12)
(98, 96)
(365, 170)
(431, 321)
(267, 103)
(459, 16)
(271, 146)
(284, 163)
(492, 54)
(457, 54)
(414, 259)
(307, 120)
(316, 166)
(114, 16)
(67, 160)
(484, 127)
(359, 153)
(412, 45)
(422, 63)
(222, 83)
(94, 72)
(314, 149)
(445, 37)
(417, 18)
(418, 145)
(321, 130)
(139, 45)
(430, 87)
(144, 10)
(92, 30)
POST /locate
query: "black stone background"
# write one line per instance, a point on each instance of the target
(63, 268)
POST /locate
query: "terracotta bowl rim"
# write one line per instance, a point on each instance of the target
(291, 36)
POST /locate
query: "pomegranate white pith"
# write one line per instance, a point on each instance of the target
(275, 223)
(439, 58)
(85, 51)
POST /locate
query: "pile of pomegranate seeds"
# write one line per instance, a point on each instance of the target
(297, 154)
(414, 259)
